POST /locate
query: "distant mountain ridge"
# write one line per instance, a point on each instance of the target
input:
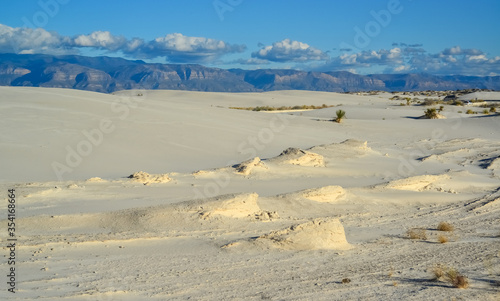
(107, 74)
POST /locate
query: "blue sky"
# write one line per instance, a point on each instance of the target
(364, 36)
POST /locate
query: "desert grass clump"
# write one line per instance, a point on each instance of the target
(431, 113)
(443, 239)
(469, 111)
(451, 275)
(486, 112)
(493, 110)
(340, 115)
(444, 226)
(346, 281)
(417, 233)
(456, 279)
(438, 271)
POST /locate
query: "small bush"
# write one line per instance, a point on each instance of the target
(456, 279)
(438, 271)
(431, 113)
(417, 233)
(346, 280)
(441, 108)
(457, 103)
(486, 112)
(442, 239)
(340, 115)
(493, 110)
(469, 111)
(431, 101)
(444, 226)
(441, 272)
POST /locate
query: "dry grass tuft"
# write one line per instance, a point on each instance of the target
(451, 275)
(456, 279)
(417, 233)
(346, 280)
(438, 271)
(391, 272)
(443, 239)
(444, 226)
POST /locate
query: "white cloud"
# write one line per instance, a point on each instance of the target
(481, 57)
(366, 58)
(251, 61)
(27, 41)
(454, 60)
(457, 50)
(100, 40)
(290, 51)
(180, 48)
(175, 47)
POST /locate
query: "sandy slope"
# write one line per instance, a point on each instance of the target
(179, 197)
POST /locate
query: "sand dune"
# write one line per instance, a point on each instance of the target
(417, 183)
(314, 235)
(146, 179)
(319, 234)
(327, 194)
(295, 156)
(242, 205)
(245, 168)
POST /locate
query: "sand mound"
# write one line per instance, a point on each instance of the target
(494, 164)
(324, 194)
(327, 194)
(200, 173)
(314, 235)
(146, 179)
(245, 168)
(356, 144)
(438, 116)
(296, 156)
(233, 206)
(417, 183)
(350, 148)
(95, 179)
(157, 219)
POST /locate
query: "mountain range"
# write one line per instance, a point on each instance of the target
(109, 74)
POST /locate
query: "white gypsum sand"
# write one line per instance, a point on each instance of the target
(172, 196)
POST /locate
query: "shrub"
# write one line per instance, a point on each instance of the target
(340, 115)
(438, 271)
(346, 280)
(417, 233)
(457, 103)
(442, 239)
(430, 101)
(493, 110)
(486, 112)
(441, 108)
(451, 275)
(456, 279)
(469, 111)
(431, 113)
(444, 226)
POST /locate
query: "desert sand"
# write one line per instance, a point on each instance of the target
(171, 195)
